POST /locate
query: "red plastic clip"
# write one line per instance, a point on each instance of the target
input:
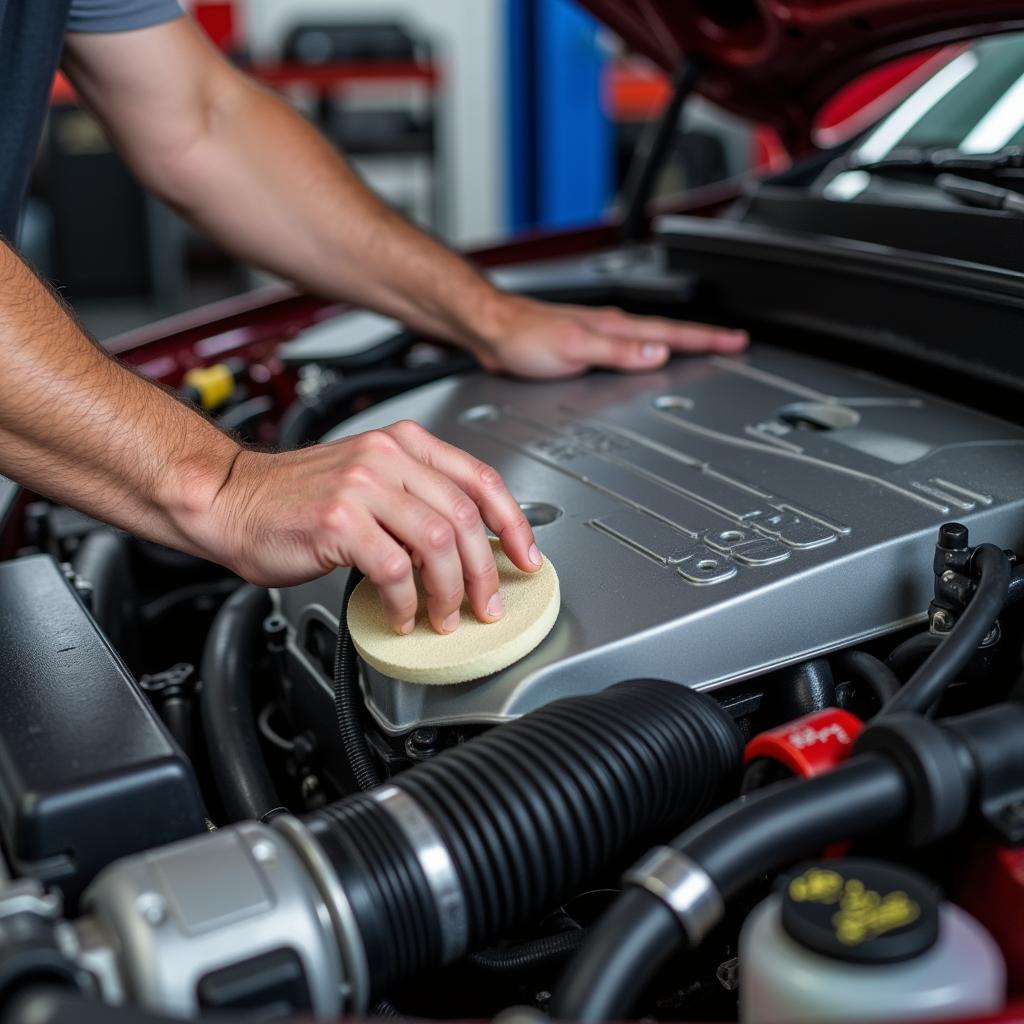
(810, 745)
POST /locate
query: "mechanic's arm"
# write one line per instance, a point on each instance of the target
(81, 428)
(241, 164)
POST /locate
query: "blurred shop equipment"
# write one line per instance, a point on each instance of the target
(372, 88)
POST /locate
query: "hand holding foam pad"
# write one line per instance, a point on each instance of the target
(475, 649)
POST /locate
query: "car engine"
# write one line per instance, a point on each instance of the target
(765, 767)
(720, 520)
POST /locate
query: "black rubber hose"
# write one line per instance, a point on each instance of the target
(246, 416)
(542, 952)
(229, 723)
(907, 656)
(780, 824)
(175, 600)
(872, 672)
(348, 702)
(1015, 592)
(103, 559)
(735, 845)
(308, 420)
(944, 664)
(803, 689)
(626, 949)
(529, 813)
(176, 713)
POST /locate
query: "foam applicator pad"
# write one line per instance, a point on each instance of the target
(475, 649)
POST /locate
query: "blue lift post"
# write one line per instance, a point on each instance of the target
(560, 142)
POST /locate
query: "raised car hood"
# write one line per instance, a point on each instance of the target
(778, 61)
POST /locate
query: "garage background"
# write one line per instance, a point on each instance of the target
(478, 118)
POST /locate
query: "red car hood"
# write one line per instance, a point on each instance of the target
(778, 61)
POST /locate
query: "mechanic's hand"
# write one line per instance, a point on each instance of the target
(385, 501)
(540, 339)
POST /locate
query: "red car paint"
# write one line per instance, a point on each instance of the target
(253, 325)
(993, 891)
(780, 61)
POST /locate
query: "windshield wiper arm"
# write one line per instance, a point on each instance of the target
(980, 193)
(931, 158)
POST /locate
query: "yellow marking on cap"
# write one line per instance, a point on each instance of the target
(214, 384)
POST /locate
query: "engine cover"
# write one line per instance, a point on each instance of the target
(709, 522)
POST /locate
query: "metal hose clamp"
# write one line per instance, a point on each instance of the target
(336, 904)
(683, 886)
(436, 864)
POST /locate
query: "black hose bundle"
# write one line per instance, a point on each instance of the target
(947, 660)
(801, 690)
(639, 933)
(527, 813)
(348, 700)
(308, 420)
(229, 723)
(914, 780)
(908, 655)
(872, 672)
(103, 560)
(1015, 591)
(905, 770)
(540, 952)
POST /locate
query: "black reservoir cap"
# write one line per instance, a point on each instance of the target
(88, 773)
(860, 911)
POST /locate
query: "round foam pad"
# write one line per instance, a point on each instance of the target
(475, 649)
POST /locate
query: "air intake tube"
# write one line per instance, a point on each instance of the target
(351, 901)
(455, 853)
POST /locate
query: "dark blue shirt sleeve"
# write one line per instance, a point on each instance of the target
(120, 15)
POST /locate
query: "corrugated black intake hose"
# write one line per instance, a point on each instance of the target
(527, 814)
(639, 934)
(924, 688)
(229, 723)
(348, 702)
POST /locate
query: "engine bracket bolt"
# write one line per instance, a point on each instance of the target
(264, 852)
(152, 907)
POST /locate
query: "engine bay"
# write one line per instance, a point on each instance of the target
(790, 628)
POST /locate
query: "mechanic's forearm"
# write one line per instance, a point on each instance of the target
(266, 185)
(83, 429)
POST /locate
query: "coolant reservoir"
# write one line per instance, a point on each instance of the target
(862, 940)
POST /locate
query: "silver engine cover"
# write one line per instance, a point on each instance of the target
(710, 522)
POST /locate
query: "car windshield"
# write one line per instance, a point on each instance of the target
(975, 104)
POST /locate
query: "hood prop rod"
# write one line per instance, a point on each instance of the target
(652, 152)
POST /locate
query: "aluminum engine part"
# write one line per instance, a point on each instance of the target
(709, 522)
(206, 915)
